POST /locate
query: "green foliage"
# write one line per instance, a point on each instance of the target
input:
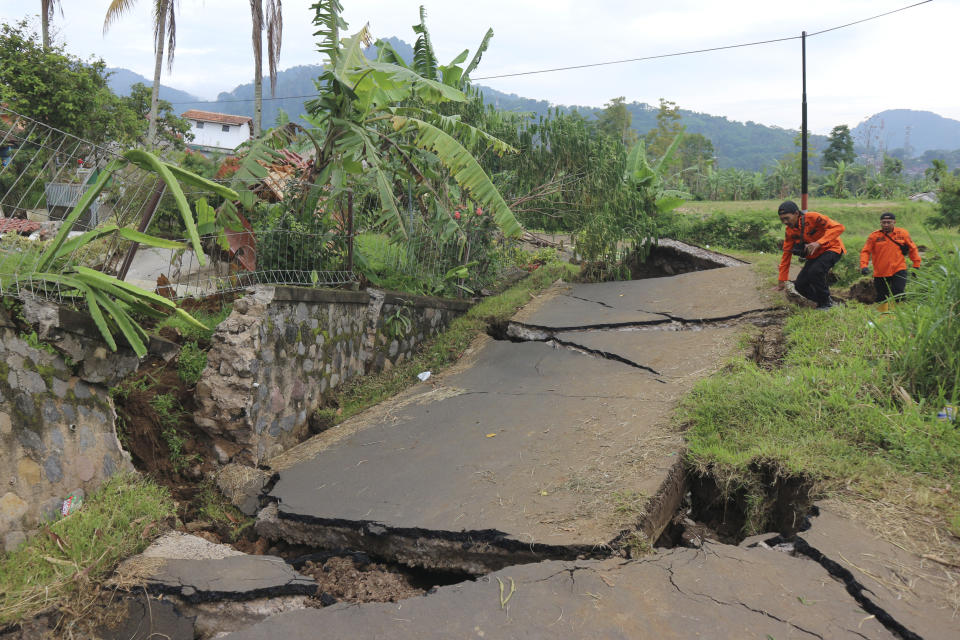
(172, 130)
(668, 128)
(615, 121)
(116, 522)
(168, 409)
(948, 205)
(110, 301)
(926, 332)
(191, 362)
(169, 413)
(60, 90)
(33, 340)
(398, 323)
(839, 147)
(379, 122)
(753, 231)
(214, 508)
(190, 331)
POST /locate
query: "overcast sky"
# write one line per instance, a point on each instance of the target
(906, 60)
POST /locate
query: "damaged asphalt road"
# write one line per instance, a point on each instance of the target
(538, 464)
(527, 452)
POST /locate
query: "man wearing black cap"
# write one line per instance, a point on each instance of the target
(815, 238)
(887, 247)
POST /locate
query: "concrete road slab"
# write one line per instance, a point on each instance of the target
(714, 592)
(531, 448)
(696, 296)
(672, 355)
(912, 590)
(502, 452)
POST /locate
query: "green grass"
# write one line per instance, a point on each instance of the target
(191, 362)
(831, 414)
(741, 226)
(446, 347)
(117, 521)
(191, 332)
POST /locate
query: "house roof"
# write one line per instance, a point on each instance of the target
(18, 225)
(219, 118)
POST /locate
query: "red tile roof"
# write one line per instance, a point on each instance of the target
(220, 118)
(18, 225)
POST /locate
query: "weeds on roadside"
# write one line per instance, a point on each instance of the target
(193, 333)
(215, 508)
(70, 554)
(169, 412)
(924, 339)
(191, 362)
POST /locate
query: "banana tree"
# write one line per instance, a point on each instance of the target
(370, 113)
(111, 302)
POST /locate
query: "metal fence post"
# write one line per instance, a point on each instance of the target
(350, 230)
(158, 190)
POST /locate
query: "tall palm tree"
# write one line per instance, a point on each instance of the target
(274, 27)
(164, 30)
(46, 15)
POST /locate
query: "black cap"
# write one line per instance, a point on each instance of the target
(788, 206)
(887, 216)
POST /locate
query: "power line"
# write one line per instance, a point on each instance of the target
(612, 62)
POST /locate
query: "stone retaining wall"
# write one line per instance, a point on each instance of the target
(283, 350)
(57, 435)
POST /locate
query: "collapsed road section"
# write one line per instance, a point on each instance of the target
(524, 451)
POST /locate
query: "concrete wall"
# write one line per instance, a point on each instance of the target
(282, 351)
(56, 436)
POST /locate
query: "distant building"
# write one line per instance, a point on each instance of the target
(218, 132)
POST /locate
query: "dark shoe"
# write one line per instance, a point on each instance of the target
(823, 307)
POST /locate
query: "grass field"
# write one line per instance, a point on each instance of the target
(842, 409)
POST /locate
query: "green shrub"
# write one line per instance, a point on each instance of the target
(750, 231)
(192, 332)
(925, 336)
(191, 363)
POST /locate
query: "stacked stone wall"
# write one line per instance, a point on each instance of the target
(283, 351)
(57, 436)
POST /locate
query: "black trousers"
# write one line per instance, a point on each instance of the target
(893, 285)
(811, 282)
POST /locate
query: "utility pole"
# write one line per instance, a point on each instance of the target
(803, 127)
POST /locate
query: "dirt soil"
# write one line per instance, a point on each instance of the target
(356, 579)
(141, 430)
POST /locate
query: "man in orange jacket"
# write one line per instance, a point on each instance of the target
(887, 247)
(815, 238)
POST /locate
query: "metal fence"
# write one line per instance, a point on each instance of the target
(44, 172)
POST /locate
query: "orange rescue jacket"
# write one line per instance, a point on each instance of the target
(885, 250)
(816, 228)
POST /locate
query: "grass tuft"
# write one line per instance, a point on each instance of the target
(58, 565)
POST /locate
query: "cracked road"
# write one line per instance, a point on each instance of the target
(528, 450)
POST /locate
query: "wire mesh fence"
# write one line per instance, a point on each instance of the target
(45, 171)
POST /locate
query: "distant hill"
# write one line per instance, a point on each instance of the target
(742, 145)
(888, 129)
(121, 81)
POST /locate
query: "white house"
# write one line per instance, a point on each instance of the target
(218, 131)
